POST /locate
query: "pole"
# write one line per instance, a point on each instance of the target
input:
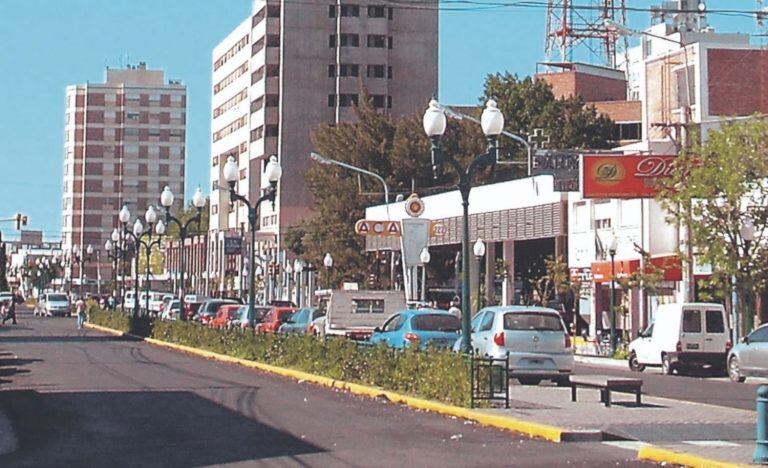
(423, 283)
(136, 280)
(466, 344)
(251, 263)
(146, 275)
(479, 284)
(612, 300)
(182, 289)
(761, 440)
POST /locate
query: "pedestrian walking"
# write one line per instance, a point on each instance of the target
(80, 310)
(10, 311)
(455, 308)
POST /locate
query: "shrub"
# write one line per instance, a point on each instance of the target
(434, 374)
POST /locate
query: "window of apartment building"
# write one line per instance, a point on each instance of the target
(626, 131)
(345, 100)
(214, 209)
(273, 40)
(272, 130)
(272, 100)
(133, 116)
(380, 101)
(273, 70)
(258, 17)
(154, 132)
(347, 10)
(685, 75)
(232, 102)
(257, 75)
(377, 71)
(580, 217)
(257, 133)
(345, 69)
(176, 132)
(377, 12)
(390, 42)
(273, 11)
(257, 46)
(226, 81)
(257, 104)
(602, 212)
(377, 40)
(231, 52)
(131, 132)
(243, 174)
(347, 40)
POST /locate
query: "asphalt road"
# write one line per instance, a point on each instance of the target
(703, 388)
(82, 398)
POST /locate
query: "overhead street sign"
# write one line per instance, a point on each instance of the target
(366, 227)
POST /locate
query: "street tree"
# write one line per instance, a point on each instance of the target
(719, 190)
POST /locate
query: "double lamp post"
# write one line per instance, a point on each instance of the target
(138, 234)
(492, 123)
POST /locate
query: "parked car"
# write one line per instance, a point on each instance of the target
(274, 318)
(241, 318)
(225, 315)
(535, 339)
(750, 357)
(171, 312)
(54, 304)
(300, 320)
(194, 298)
(6, 297)
(207, 310)
(191, 308)
(167, 298)
(129, 301)
(683, 336)
(418, 328)
(354, 314)
(317, 327)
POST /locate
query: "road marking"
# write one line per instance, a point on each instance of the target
(633, 445)
(711, 443)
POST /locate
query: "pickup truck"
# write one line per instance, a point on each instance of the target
(354, 314)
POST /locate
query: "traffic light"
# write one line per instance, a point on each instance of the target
(21, 220)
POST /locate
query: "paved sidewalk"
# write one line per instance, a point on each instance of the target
(714, 432)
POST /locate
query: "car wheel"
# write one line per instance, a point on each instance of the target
(529, 380)
(562, 381)
(733, 370)
(634, 364)
(666, 365)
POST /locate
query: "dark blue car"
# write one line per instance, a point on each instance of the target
(422, 328)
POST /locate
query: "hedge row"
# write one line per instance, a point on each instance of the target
(433, 374)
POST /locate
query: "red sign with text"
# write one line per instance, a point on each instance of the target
(629, 176)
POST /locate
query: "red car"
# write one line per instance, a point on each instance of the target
(224, 315)
(274, 318)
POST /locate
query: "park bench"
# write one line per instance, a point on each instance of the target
(607, 384)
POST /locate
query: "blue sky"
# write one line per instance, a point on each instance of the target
(49, 44)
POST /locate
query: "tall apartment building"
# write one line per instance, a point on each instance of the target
(290, 67)
(124, 141)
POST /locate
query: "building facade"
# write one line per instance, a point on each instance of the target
(283, 71)
(124, 140)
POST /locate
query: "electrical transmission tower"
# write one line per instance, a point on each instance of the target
(571, 26)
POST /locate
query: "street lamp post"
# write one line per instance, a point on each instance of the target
(138, 234)
(328, 263)
(612, 252)
(479, 251)
(747, 233)
(425, 257)
(198, 201)
(298, 267)
(272, 174)
(492, 123)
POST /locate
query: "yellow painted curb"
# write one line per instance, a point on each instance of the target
(542, 431)
(104, 329)
(660, 455)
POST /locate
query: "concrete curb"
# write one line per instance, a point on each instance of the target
(542, 431)
(661, 455)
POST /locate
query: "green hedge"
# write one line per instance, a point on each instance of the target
(433, 374)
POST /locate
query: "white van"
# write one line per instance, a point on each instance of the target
(130, 300)
(683, 336)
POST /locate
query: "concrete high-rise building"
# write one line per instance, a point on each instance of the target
(124, 140)
(288, 68)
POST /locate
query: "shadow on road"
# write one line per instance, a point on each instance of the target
(66, 339)
(138, 429)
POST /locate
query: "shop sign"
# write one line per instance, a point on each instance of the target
(629, 176)
(562, 165)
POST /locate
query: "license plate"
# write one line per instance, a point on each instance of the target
(692, 346)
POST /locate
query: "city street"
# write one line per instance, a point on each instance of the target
(82, 398)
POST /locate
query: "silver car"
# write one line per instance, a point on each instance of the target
(535, 339)
(750, 357)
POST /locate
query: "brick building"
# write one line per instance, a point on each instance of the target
(124, 140)
(195, 263)
(288, 68)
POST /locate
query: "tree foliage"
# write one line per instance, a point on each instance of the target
(717, 187)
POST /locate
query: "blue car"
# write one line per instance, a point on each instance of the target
(422, 328)
(300, 320)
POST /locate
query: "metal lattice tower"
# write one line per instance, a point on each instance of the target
(573, 26)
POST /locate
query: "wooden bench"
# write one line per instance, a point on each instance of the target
(607, 384)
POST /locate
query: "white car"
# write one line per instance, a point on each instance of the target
(130, 300)
(683, 336)
(53, 304)
(534, 338)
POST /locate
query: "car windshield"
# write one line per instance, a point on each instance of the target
(436, 322)
(532, 321)
(57, 297)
